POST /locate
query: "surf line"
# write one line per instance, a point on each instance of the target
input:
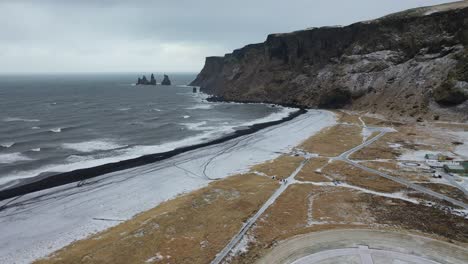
(88, 173)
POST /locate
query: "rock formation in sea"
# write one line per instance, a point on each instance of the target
(144, 81)
(166, 80)
(412, 64)
(152, 80)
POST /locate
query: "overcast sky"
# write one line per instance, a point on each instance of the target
(160, 36)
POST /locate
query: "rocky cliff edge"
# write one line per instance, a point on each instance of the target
(412, 64)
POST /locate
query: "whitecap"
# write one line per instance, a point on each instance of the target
(7, 144)
(282, 113)
(36, 149)
(200, 107)
(12, 158)
(36, 127)
(124, 109)
(196, 126)
(157, 110)
(93, 145)
(56, 130)
(18, 119)
(186, 116)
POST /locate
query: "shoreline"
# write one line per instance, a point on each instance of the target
(216, 99)
(43, 223)
(60, 179)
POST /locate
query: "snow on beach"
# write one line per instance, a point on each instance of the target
(56, 217)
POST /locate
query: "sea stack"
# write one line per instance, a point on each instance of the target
(152, 80)
(144, 81)
(166, 80)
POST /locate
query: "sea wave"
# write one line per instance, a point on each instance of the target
(200, 107)
(284, 112)
(56, 130)
(118, 152)
(124, 109)
(7, 144)
(19, 119)
(12, 158)
(198, 126)
(93, 145)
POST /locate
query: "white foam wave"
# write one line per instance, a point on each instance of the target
(36, 127)
(56, 130)
(186, 116)
(198, 126)
(12, 158)
(200, 107)
(124, 109)
(17, 119)
(93, 145)
(36, 149)
(7, 144)
(283, 113)
(157, 110)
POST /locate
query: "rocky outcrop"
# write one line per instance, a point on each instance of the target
(144, 81)
(409, 64)
(152, 80)
(166, 80)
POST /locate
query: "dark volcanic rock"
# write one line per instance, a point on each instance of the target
(166, 80)
(153, 80)
(144, 81)
(409, 64)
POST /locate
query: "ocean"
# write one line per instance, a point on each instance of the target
(57, 123)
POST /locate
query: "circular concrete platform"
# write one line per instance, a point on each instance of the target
(365, 247)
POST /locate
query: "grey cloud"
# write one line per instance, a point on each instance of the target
(75, 30)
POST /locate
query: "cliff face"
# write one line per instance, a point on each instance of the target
(410, 64)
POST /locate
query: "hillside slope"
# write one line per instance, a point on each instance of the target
(409, 64)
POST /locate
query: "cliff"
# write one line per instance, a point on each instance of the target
(409, 64)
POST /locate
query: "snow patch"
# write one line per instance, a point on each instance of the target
(462, 150)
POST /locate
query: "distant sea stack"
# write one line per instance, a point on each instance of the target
(144, 81)
(409, 65)
(166, 80)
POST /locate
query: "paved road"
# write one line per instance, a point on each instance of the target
(290, 180)
(357, 246)
(345, 157)
(366, 255)
(450, 179)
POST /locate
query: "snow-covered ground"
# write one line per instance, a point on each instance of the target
(462, 150)
(43, 222)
